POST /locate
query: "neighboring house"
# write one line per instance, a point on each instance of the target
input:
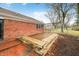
(14, 25)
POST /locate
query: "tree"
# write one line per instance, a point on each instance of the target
(61, 11)
(76, 24)
(51, 15)
(77, 21)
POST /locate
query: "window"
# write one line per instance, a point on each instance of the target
(42, 25)
(1, 29)
(38, 26)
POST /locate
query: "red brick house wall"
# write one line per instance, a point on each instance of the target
(14, 29)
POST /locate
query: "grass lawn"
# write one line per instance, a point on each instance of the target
(69, 32)
(72, 32)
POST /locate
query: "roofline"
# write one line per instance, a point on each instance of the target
(9, 13)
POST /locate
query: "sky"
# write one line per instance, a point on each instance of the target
(36, 11)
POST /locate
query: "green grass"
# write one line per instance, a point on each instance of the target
(69, 32)
(72, 32)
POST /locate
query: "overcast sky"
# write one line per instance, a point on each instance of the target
(36, 11)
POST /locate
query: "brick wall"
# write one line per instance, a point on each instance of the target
(13, 29)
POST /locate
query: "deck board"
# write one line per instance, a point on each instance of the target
(41, 36)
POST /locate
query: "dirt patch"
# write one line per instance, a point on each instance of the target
(65, 45)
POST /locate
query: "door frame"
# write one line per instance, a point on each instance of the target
(1, 29)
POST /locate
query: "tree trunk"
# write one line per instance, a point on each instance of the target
(62, 27)
(62, 23)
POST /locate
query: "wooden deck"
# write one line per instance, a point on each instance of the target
(41, 36)
(39, 43)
